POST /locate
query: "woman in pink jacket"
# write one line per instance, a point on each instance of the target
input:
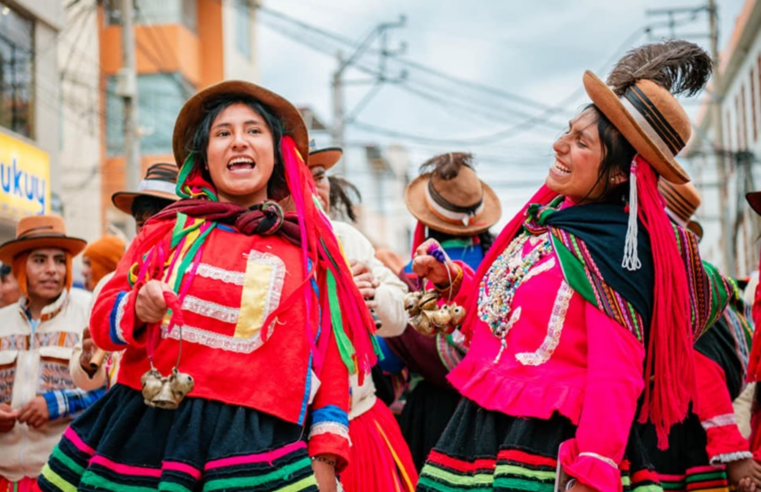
(578, 303)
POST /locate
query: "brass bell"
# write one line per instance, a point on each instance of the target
(458, 314)
(165, 399)
(426, 327)
(441, 318)
(152, 384)
(411, 301)
(181, 384)
(429, 300)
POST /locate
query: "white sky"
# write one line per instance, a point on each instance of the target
(537, 50)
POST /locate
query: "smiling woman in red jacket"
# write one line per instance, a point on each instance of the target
(241, 322)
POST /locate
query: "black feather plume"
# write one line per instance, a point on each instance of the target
(447, 166)
(678, 66)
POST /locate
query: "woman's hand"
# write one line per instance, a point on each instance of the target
(35, 413)
(150, 306)
(426, 265)
(324, 467)
(744, 473)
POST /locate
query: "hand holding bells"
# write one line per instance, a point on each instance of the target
(167, 391)
(426, 316)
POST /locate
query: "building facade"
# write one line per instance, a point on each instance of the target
(731, 238)
(30, 126)
(181, 46)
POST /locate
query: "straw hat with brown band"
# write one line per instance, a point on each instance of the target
(639, 101)
(160, 182)
(40, 231)
(455, 202)
(682, 201)
(326, 157)
(196, 108)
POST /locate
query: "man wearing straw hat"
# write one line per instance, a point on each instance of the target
(153, 194)
(37, 334)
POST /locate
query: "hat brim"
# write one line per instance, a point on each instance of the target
(11, 249)
(414, 196)
(326, 158)
(754, 200)
(195, 109)
(123, 199)
(696, 228)
(609, 104)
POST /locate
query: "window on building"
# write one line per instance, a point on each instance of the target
(753, 104)
(16, 70)
(157, 12)
(243, 27)
(160, 97)
(738, 111)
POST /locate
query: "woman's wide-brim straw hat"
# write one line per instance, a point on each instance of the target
(461, 206)
(196, 108)
(682, 201)
(651, 120)
(327, 157)
(40, 231)
(160, 182)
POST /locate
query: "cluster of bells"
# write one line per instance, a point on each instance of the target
(165, 391)
(427, 317)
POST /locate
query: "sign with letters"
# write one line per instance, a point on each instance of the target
(24, 178)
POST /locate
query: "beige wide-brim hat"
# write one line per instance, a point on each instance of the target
(160, 182)
(327, 157)
(651, 120)
(40, 231)
(682, 201)
(196, 108)
(416, 197)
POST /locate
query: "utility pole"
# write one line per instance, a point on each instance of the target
(727, 242)
(127, 90)
(339, 112)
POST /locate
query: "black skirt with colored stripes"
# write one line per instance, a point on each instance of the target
(486, 450)
(685, 464)
(120, 444)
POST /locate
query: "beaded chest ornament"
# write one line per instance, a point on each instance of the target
(498, 287)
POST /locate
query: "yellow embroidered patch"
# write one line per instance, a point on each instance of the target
(257, 283)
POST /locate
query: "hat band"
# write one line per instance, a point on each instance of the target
(675, 218)
(42, 231)
(459, 218)
(656, 129)
(676, 203)
(157, 185)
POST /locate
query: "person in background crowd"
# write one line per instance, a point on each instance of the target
(562, 311)
(9, 291)
(455, 207)
(265, 328)
(380, 459)
(155, 193)
(37, 396)
(100, 258)
(707, 450)
(754, 362)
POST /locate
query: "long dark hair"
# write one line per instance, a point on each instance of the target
(341, 201)
(617, 156)
(277, 187)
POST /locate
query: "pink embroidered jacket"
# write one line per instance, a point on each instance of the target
(562, 355)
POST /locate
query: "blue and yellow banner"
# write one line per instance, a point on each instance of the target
(24, 178)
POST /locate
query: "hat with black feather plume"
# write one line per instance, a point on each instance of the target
(639, 99)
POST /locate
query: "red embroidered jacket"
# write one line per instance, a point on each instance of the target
(240, 280)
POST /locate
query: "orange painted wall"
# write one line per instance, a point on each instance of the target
(159, 48)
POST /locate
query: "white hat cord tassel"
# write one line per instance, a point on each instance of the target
(631, 259)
